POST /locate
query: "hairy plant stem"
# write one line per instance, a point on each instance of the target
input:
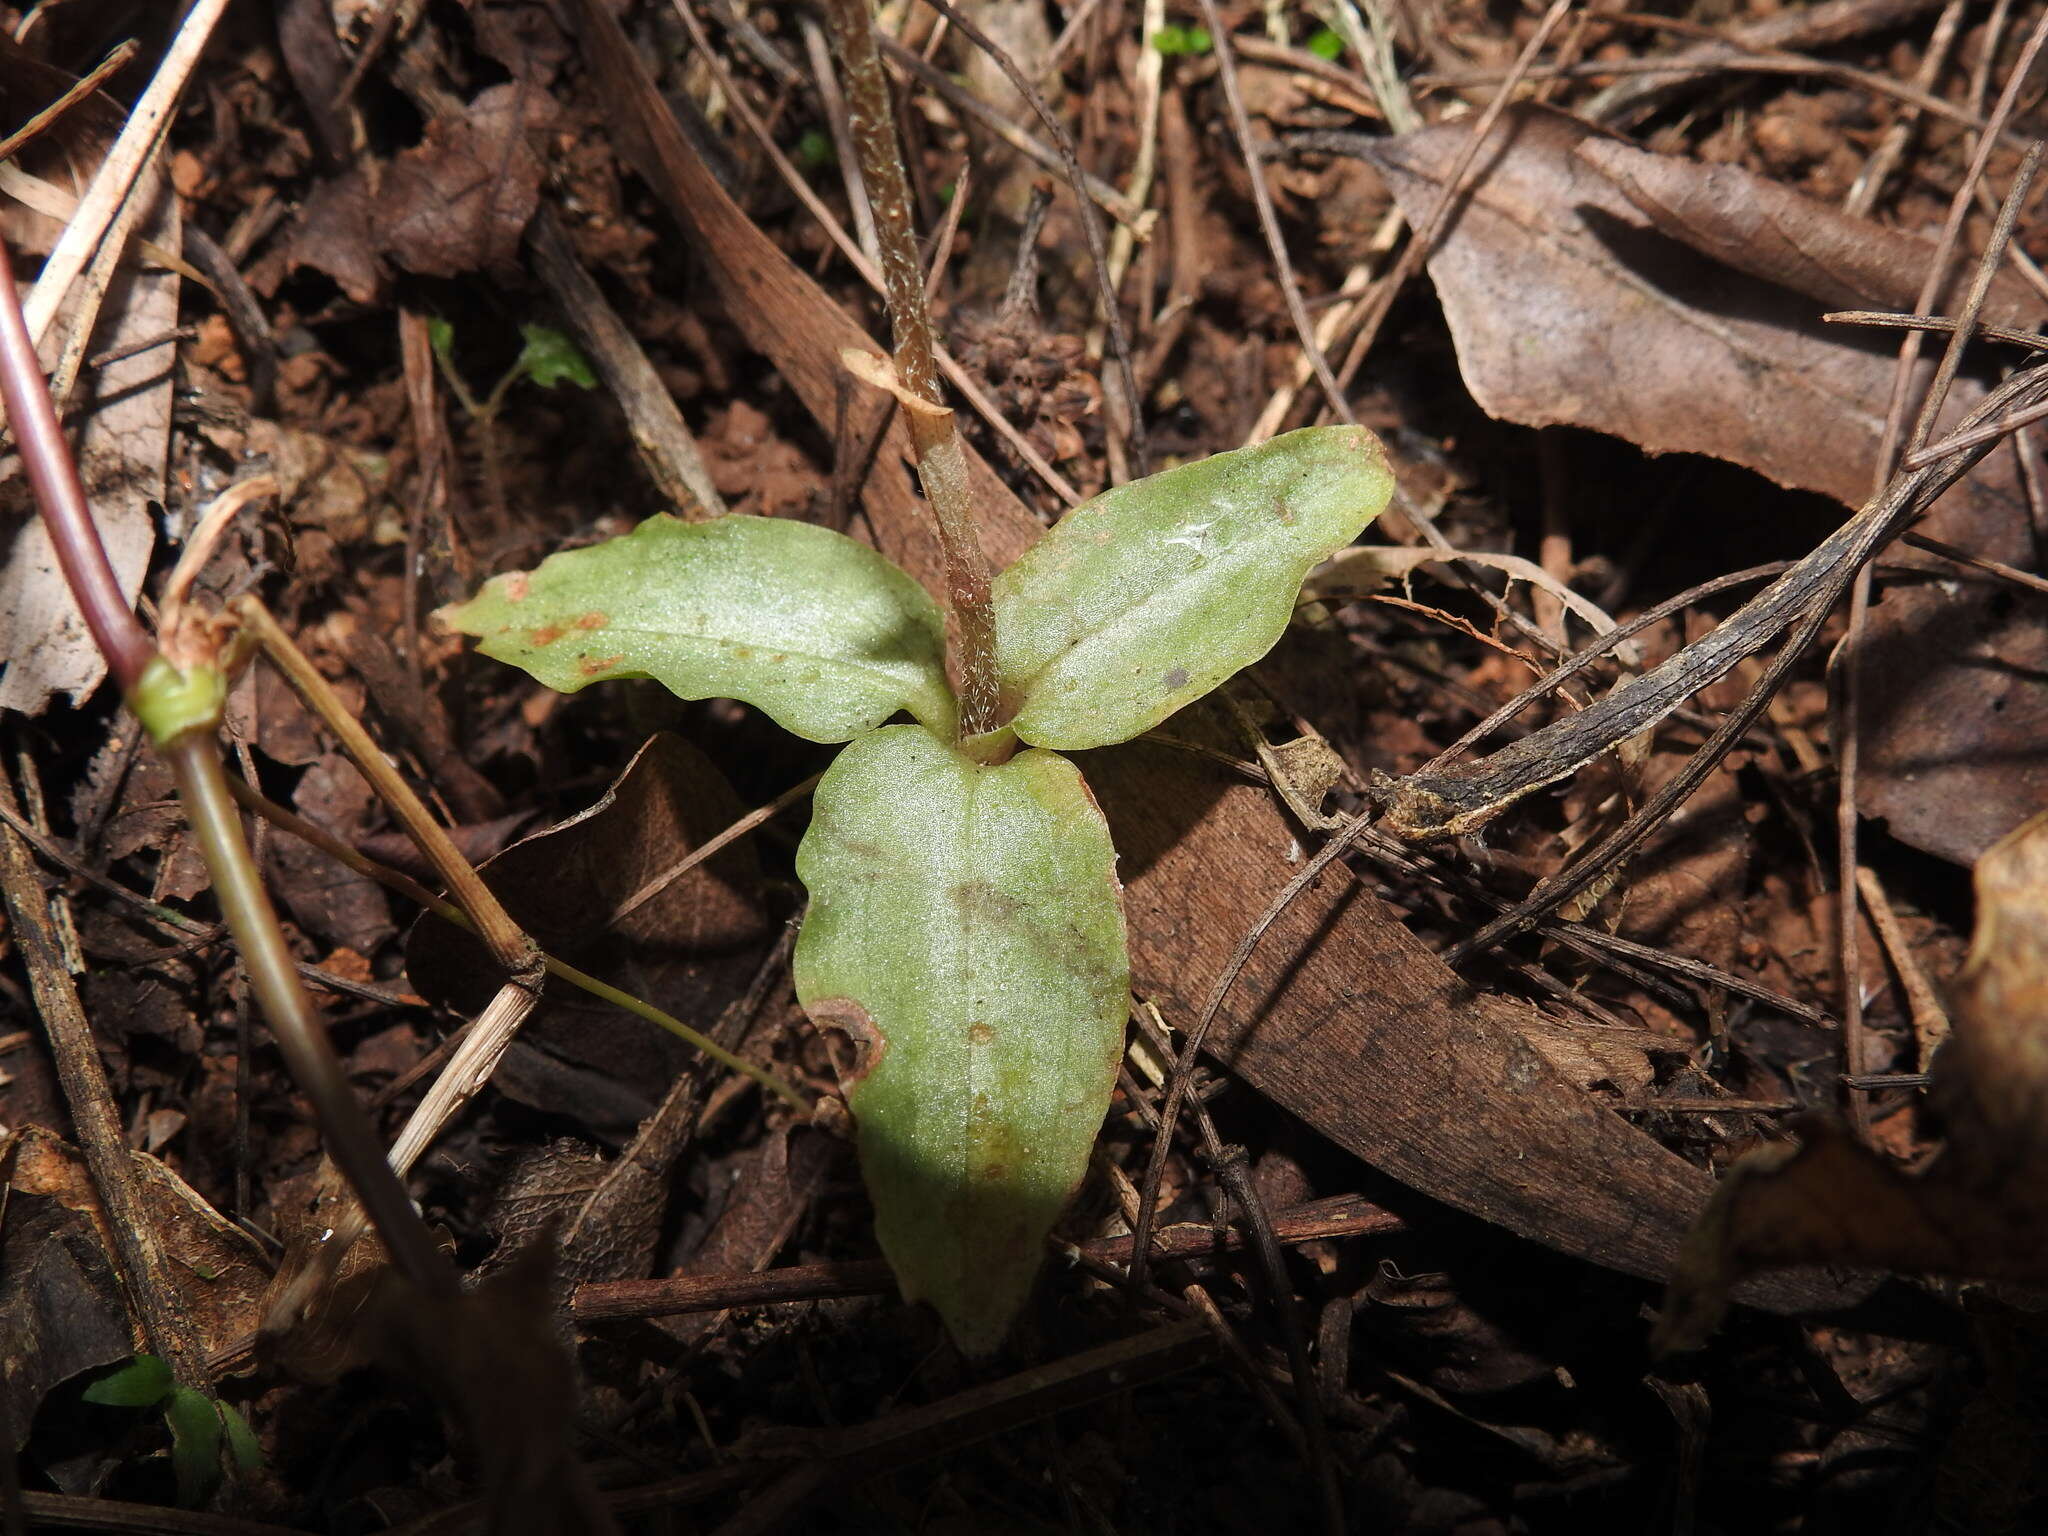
(940, 462)
(54, 478)
(159, 691)
(203, 791)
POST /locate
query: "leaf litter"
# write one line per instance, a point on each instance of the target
(1496, 1097)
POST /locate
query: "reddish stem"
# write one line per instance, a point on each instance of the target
(54, 476)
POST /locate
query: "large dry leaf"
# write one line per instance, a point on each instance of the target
(1345, 1019)
(125, 420)
(689, 950)
(219, 1272)
(1589, 283)
(1982, 1209)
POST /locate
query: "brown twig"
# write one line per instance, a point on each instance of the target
(1234, 1176)
(940, 462)
(144, 1268)
(1436, 803)
(117, 59)
(618, 1300)
(1091, 222)
(1870, 181)
(1457, 183)
(1269, 221)
(1997, 568)
(1857, 1045)
(666, 446)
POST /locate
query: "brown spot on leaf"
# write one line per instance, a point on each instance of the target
(593, 620)
(978, 900)
(979, 1034)
(590, 666)
(516, 586)
(1176, 678)
(547, 634)
(855, 1022)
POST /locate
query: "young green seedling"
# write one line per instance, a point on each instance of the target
(201, 1426)
(966, 923)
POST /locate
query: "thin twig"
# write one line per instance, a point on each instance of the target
(659, 431)
(1849, 730)
(54, 113)
(137, 1247)
(1269, 221)
(1091, 222)
(710, 846)
(941, 464)
(113, 182)
(1998, 568)
(1177, 1086)
(826, 82)
(870, 274)
(1870, 181)
(1234, 1175)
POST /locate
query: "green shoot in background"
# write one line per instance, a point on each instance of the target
(201, 1427)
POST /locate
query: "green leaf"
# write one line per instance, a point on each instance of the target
(1326, 45)
(966, 929)
(1144, 599)
(821, 632)
(1175, 40)
(815, 150)
(195, 1444)
(549, 358)
(441, 336)
(243, 1445)
(137, 1384)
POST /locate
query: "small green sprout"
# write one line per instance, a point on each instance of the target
(548, 358)
(1177, 41)
(965, 927)
(1326, 44)
(815, 150)
(201, 1427)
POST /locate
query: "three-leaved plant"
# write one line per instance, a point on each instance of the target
(966, 924)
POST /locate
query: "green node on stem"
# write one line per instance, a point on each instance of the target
(169, 702)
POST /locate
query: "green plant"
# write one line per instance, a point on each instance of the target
(201, 1426)
(965, 925)
(1176, 41)
(548, 358)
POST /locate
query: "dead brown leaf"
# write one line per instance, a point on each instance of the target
(335, 234)
(217, 1268)
(1760, 227)
(1981, 1210)
(689, 950)
(1694, 327)
(324, 897)
(459, 200)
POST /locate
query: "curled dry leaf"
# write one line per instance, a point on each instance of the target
(1677, 305)
(689, 949)
(1981, 1210)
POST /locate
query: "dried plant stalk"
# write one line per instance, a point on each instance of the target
(939, 460)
